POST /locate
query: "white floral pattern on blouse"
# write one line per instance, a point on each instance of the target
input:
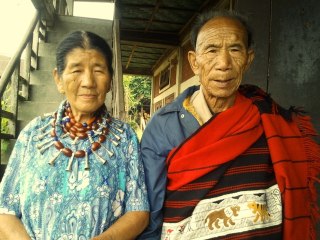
(53, 203)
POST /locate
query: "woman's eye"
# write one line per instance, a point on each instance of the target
(99, 70)
(76, 71)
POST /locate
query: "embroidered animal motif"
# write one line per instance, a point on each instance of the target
(224, 214)
(260, 210)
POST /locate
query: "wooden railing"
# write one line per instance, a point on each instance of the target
(15, 80)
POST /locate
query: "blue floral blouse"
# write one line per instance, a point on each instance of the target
(56, 204)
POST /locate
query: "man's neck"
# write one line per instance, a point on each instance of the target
(217, 104)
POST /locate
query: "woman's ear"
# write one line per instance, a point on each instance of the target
(192, 57)
(109, 87)
(58, 81)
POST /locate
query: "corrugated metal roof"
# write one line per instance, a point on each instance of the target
(150, 29)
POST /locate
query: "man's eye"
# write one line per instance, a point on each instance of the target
(212, 50)
(235, 49)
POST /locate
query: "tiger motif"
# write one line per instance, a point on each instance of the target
(260, 211)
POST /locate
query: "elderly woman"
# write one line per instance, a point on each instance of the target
(76, 173)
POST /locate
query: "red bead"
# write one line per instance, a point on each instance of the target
(82, 135)
(53, 133)
(95, 146)
(102, 138)
(68, 125)
(72, 135)
(67, 152)
(72, 121)
(73, 130)
(79, 154)
(105, 131)
(81, 129)
(78, 125)
(58, 145)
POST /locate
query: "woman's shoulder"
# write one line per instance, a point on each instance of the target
(38, 122)
(121, 126)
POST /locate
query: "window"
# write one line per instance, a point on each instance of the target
(164, 79)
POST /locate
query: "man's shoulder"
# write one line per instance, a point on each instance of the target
(177, 104)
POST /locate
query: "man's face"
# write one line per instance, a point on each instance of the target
(221, 57)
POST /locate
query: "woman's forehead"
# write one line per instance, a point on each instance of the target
(81, 54)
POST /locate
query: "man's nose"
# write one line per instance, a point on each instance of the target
(223, 61)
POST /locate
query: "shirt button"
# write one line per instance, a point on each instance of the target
(182, 115)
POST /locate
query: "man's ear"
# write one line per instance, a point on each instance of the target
(192, 57)
(58, 81)
(250, 58)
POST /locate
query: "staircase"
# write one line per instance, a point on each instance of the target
(43, 94)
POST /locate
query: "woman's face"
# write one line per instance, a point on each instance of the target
(85, 81)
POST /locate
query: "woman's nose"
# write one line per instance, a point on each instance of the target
(88, 79)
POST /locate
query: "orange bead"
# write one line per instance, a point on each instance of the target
(68, 125)
(53, 133)
(78, 125)
(73, 130)
(79, 154)
(95, 126)
(72, 135)
(58, 145)
(82, 135)
(105, 131)
(95, 146)
(81, 130)
(67, 152)
(102, 138)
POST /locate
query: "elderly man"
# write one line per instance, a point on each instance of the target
(224, 161)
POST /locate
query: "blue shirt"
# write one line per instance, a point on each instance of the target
(53, 203)
(167, 129)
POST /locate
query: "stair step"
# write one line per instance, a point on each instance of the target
(28, 110)
(46, 63)
(47, 49)
(45, 93)
(41, 77)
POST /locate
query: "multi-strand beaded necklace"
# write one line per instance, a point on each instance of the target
(97, 130)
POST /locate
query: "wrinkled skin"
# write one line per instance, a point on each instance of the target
(85, 81)
(220, 60)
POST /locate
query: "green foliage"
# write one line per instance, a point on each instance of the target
(137, 96)
(5, 127)
(4, 121)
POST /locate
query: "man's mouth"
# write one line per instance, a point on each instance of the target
(223, 83)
